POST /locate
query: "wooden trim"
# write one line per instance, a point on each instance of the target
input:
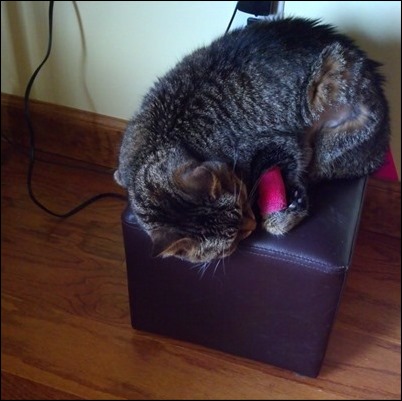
(78, 134)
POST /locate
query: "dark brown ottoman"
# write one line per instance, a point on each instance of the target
(274, 300)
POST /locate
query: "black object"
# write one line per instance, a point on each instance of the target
(256, 7)
(274, 300)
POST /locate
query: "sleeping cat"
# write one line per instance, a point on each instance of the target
(291, 93)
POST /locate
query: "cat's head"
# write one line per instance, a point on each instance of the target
(199, 214)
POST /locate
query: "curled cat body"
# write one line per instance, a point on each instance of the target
(292, 93)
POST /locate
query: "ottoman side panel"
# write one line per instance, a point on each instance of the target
(253, 305)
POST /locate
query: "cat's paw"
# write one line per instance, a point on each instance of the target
(282, 221)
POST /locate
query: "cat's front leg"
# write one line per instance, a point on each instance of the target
(286, 154)
(282, 221)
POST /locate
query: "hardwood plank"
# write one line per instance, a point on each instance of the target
(382, 208)
(65, 311)
(94, 359)
(371, 301)
(365, 344)
(16, 388)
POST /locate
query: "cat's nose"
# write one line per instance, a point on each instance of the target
(248, 224)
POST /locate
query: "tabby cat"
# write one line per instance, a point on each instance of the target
(292, 93)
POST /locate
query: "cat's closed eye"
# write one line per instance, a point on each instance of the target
(211, 214)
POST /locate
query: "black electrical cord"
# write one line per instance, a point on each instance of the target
(231, 19)
(32, 139)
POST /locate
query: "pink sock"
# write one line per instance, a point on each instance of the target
(272, 194)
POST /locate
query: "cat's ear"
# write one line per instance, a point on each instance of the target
(118, 177)
(328, 79)
(168, 243)
(198, 179)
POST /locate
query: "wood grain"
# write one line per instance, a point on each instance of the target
(66, 330)
(17, 388)
(382, 208)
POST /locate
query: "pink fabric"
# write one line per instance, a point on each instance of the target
(272, 195)
(387, 171)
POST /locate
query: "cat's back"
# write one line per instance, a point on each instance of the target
(256, 52)
(248, 73)
(290, 33)
(273, 41)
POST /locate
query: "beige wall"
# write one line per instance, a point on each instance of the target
(106, 54)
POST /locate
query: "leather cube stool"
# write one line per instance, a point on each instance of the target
(273, 300)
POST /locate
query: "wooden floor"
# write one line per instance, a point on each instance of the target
(66, 330)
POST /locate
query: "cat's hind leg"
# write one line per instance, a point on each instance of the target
(352, 142)
(349, 115)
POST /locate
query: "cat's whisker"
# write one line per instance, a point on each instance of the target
(223, 260)
(254, 190)
(235, 158)
(203, 268)
(223, 266)
(216, 266)
(236, 194)
(197, 266)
